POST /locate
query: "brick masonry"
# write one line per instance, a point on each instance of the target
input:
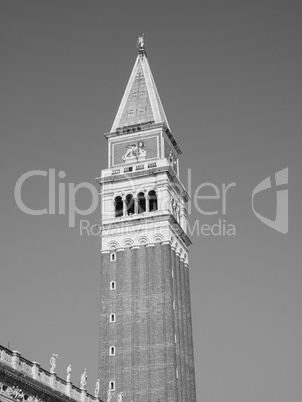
(152, 334)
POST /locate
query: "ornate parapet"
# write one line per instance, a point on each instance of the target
(22, 380)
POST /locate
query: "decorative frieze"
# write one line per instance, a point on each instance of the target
(16, 393)
(12, 363)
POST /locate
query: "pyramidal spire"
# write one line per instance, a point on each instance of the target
(141, 103)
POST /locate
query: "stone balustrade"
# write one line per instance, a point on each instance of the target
(33, 370)
(136, 166)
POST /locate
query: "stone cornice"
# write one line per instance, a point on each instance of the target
(20, 377)
(178, 230)
(143, 173)
(19, 386)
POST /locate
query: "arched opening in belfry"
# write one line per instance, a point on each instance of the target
(130, 204)
(152, 201)
(141, 203)
(118, 202)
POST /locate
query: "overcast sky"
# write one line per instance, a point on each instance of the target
(229, 77)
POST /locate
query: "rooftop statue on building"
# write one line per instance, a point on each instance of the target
(109, 396)
(120, 397)
(68, 371)
(97, 388)
(53, 361)
(83, 382)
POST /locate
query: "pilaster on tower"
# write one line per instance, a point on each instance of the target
(146, 348)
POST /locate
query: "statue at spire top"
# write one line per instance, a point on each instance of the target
(141, 43)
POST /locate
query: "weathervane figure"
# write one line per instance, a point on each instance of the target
(141, 43)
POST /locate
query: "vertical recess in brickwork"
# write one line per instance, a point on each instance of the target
(115, 300)
(149, 293)
(158, 322)
(188, 331)
(125, 326)
(112, 306)
(180, 331)
(103, 333)
(136, 264)
(170, 324)
(190, 337)
(184, 329)
(164, 291)
(161, 356)
(150, 254)
(131, 350)
(174, 360)
(142, 320)
(176, 320)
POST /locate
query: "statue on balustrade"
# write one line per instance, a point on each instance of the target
(68, 373)
(53, 361)
(108, 394)
(97, 388)
(120, 397)
(83, 381)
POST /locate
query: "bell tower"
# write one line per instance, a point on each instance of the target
(146, 346)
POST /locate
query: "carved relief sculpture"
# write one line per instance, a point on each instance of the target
(17, 393)
(135, 152)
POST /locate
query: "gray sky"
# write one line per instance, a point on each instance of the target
(229, 77)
